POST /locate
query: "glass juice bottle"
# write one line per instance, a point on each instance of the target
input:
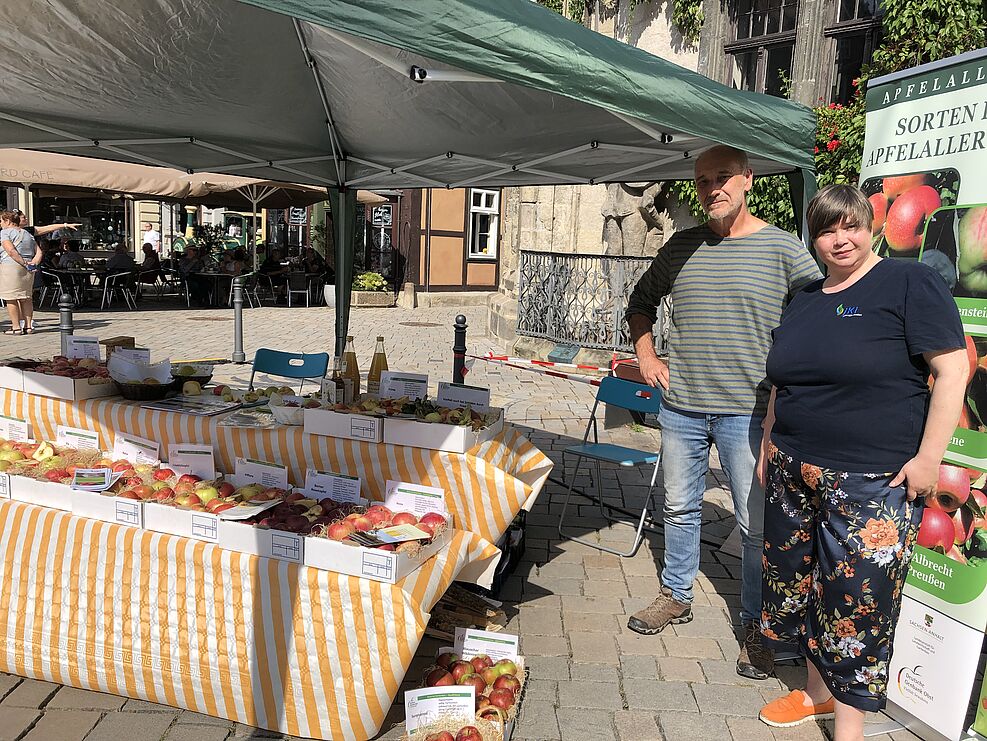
(377, 366)
(351, 371)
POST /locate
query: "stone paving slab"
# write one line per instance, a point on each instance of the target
(591, 678)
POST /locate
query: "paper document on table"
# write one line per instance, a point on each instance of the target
(426, 705)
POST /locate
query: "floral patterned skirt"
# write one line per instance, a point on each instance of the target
(836, 551)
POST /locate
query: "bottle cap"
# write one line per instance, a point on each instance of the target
(380, 338)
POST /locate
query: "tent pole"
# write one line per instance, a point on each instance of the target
(343, 220)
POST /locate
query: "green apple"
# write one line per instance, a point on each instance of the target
(207, 493)
(158, 485)
(11, 455)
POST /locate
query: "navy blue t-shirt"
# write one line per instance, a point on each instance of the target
(851, 382)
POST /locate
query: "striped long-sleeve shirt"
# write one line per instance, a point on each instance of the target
(727, 293)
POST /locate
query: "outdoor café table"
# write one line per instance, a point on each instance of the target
(218, 285)
(185, 623)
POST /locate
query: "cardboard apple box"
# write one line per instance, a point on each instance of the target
(11, 378)
(107, 507)
(183, 522)
(261, 541)
(70, 389)
(349, 426)
(438, 436)
(370, 563)
(44, 493)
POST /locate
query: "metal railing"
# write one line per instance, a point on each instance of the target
(581, 299)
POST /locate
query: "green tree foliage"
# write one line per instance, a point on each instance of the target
(914, 32)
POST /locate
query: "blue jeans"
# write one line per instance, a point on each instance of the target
(685, 440)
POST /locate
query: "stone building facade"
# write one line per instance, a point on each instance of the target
(810, 50)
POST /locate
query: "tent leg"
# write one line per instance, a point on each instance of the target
(343, 219)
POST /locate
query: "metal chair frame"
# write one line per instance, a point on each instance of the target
(298, 283)
(118, 282)
(627, 395)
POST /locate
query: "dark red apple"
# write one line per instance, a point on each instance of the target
(953, 489)
(447, 659)
(460, 669)
(439, 677)
(469, 733)
(502, 698)
(481, 662)
(508, 681)
(474, 679)
(936, 530)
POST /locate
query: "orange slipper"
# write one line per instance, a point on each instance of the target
(791, 710)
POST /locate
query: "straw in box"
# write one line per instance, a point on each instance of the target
(488, 731)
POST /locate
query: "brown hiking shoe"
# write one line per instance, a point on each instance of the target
(756, 661)
(666, 610)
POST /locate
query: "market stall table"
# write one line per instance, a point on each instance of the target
(143, 614)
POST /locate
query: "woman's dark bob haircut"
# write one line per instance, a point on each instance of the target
(835, 204)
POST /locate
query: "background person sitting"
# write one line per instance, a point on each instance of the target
(121, 261)
(188, 266)
(70, 258)
(277, 273)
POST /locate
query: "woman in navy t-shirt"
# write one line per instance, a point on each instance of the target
(851, 438)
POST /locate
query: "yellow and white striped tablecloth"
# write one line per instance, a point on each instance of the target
(184, 623)
(485, 488)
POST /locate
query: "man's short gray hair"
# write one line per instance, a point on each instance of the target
(739, 156)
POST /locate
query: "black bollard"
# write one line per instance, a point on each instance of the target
(238, 354)
(65, 324)
(459, 350)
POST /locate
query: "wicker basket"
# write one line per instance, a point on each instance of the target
(143, 391)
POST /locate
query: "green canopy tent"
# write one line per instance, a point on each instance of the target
(348, 94)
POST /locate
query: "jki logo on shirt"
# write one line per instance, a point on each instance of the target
(846, 312)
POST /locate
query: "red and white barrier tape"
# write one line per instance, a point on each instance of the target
(538, 366)
(540, 363)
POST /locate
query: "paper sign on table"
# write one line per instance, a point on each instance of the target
(415, 498)
(428, 704)
(94, 479)
(336, 486)
(246, 511)
(400, 533)
(192, 458)
(78, 346)
(471, 642)
(395, 385)
(290, 399)
(138, 355)
(271, 475)
(4, 486)
(12, 428)
(455, 395)
(331, 395)
(76, 437)
(136, 449)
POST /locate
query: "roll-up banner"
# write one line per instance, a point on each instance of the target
(924, 170)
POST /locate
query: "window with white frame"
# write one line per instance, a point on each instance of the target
(484, 223)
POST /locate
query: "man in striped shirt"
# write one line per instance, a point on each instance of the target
(729, 281)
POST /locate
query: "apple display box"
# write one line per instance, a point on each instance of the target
(11, 378)
(369, 563)
(438, 436)
(43, 493)
(261, 541)
(183, 522)
(70, 389)
(349, 426)
(107, 507)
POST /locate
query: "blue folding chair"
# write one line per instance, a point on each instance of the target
(626, 395)
(311, 366)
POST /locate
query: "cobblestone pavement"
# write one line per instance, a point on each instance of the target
(590, 677)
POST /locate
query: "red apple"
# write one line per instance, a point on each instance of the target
(474, 679)
(128, 494)
(433, 519)
(340, 530)
(508, 681)
(163, 474)
(502, 698)
(954, 554)
(482, 702)
(936, 530)
(953, 488)
(165, 493)
(439, 677)
(144, 491)
(896, 185)
(226, 489)
(447, 659)
(491, 713)
(379, 514)
(879, 202)
(221, 507)
(907, 216)
(386, 547)
(469, 733)
(404, 518)
(440, 736)
(189, 478)
(481, 662)
(490, 675)
(981, 499)
(294, 497)
(362, 523)
(460, 669)
(119, 466)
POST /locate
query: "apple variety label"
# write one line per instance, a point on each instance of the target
(415, 498)
(336, 486)
(76, 437)
(136, 449)
(427, 705)
(77, 346)
(470, 642)
(12, 428)
(455, 395)
(192, 458)
(137, 355)
(932, 660)
(400, 533)
(395, 385)
(262, 472)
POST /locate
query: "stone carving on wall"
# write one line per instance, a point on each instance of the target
(634, 219)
